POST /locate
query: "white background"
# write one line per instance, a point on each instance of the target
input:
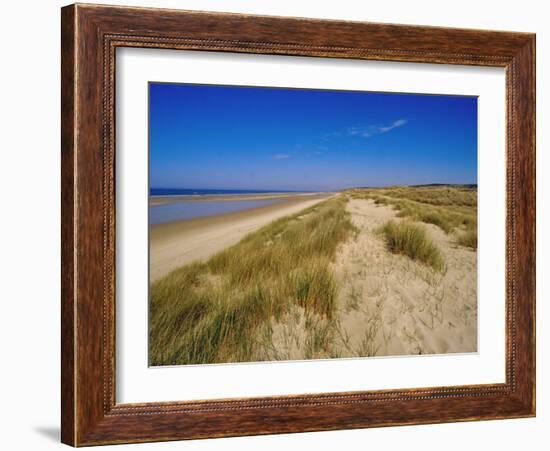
(138, 383)
(30, 227)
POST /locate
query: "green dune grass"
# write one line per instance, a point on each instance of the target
(210, 312)
(451, 208)
(412, 241)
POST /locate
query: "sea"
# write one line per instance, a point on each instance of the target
(179, 211)
(195, 191)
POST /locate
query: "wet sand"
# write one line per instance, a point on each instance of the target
(162, 200)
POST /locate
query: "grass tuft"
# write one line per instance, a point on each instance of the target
(412, 241)
(468, 239)
(315, 288)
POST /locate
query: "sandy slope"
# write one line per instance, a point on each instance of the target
(387, 304)
(178, 243)
(393, 305)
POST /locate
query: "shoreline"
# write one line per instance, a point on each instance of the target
(176, 198)
(177, 243)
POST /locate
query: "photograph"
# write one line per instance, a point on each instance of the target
(294, 224)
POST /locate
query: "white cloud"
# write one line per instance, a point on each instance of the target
(370, 130)
(280, 156)
(396, 124)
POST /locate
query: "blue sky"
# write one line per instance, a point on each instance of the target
(295, 139)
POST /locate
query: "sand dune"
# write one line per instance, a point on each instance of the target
(388, 305)
(178, 243)
(404, 307)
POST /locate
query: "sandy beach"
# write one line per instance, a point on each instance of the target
(162, 200)
(177, 243)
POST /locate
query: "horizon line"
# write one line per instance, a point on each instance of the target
(311, 190)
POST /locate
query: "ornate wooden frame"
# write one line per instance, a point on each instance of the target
(90, 35)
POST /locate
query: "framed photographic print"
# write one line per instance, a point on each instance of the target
(279, 225)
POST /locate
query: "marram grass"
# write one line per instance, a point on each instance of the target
(450, 208)
(468, 239)
(412, 241)
(210, 312)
